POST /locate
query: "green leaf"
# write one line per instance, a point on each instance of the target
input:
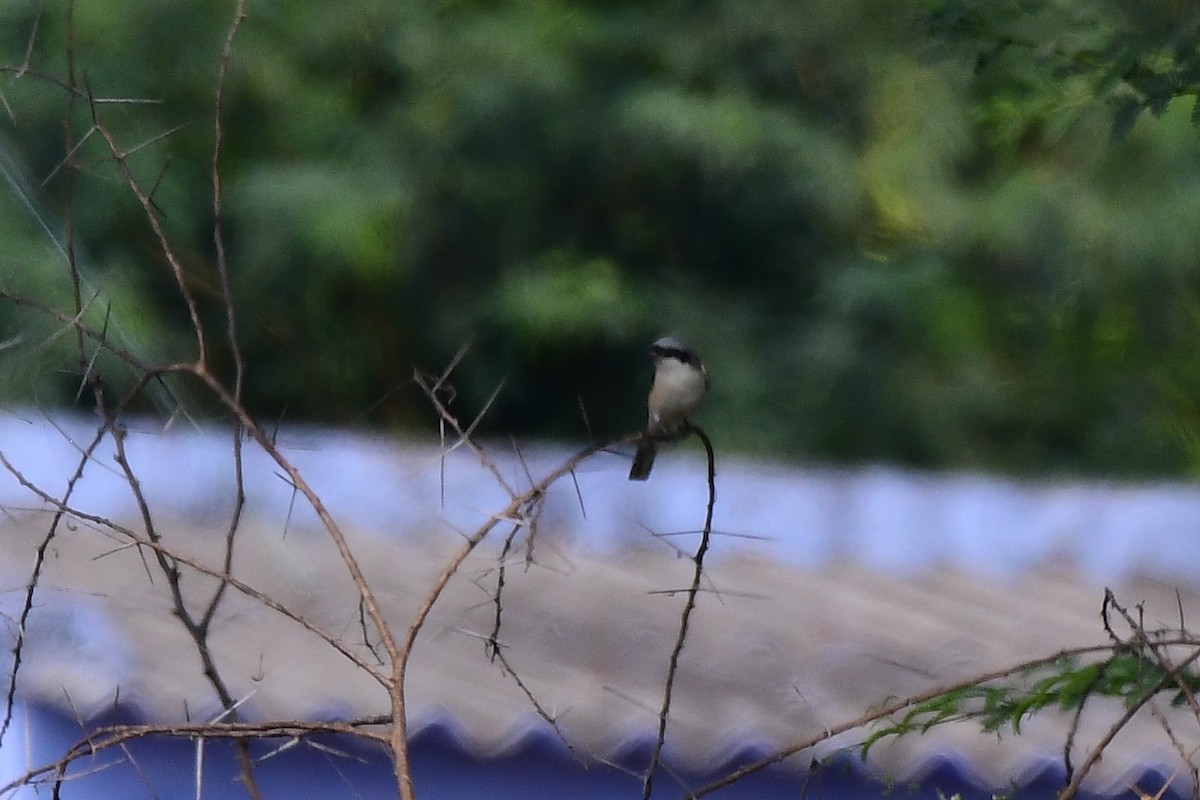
(1124, 117)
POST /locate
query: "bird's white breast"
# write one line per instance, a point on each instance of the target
(677, 391)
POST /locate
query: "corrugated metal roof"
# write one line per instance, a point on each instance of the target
(867, 585)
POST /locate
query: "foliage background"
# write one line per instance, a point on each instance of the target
(948, 235)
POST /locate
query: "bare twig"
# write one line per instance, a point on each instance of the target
(239, 504)
(151, 213)
(521, 509)
(35, 576)
(685, 617)
(193, 564)
(114, 735)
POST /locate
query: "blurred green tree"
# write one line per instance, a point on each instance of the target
(896, 231)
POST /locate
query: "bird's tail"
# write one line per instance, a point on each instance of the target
(643, 461)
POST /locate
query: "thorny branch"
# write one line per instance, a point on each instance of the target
(197, 626)
(115, 735)
(227, 300)
(521, 511)
(686, 616)
(35, 577)
(61, 508)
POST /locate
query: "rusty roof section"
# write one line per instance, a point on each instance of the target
(777, 652)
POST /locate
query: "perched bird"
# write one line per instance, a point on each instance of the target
(680, 383)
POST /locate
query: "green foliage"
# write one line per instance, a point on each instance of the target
(899, 230)
(1065, 684)
(1036, 58)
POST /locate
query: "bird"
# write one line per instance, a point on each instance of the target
(680, 383)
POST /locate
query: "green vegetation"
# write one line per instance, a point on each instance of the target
(955, 234)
